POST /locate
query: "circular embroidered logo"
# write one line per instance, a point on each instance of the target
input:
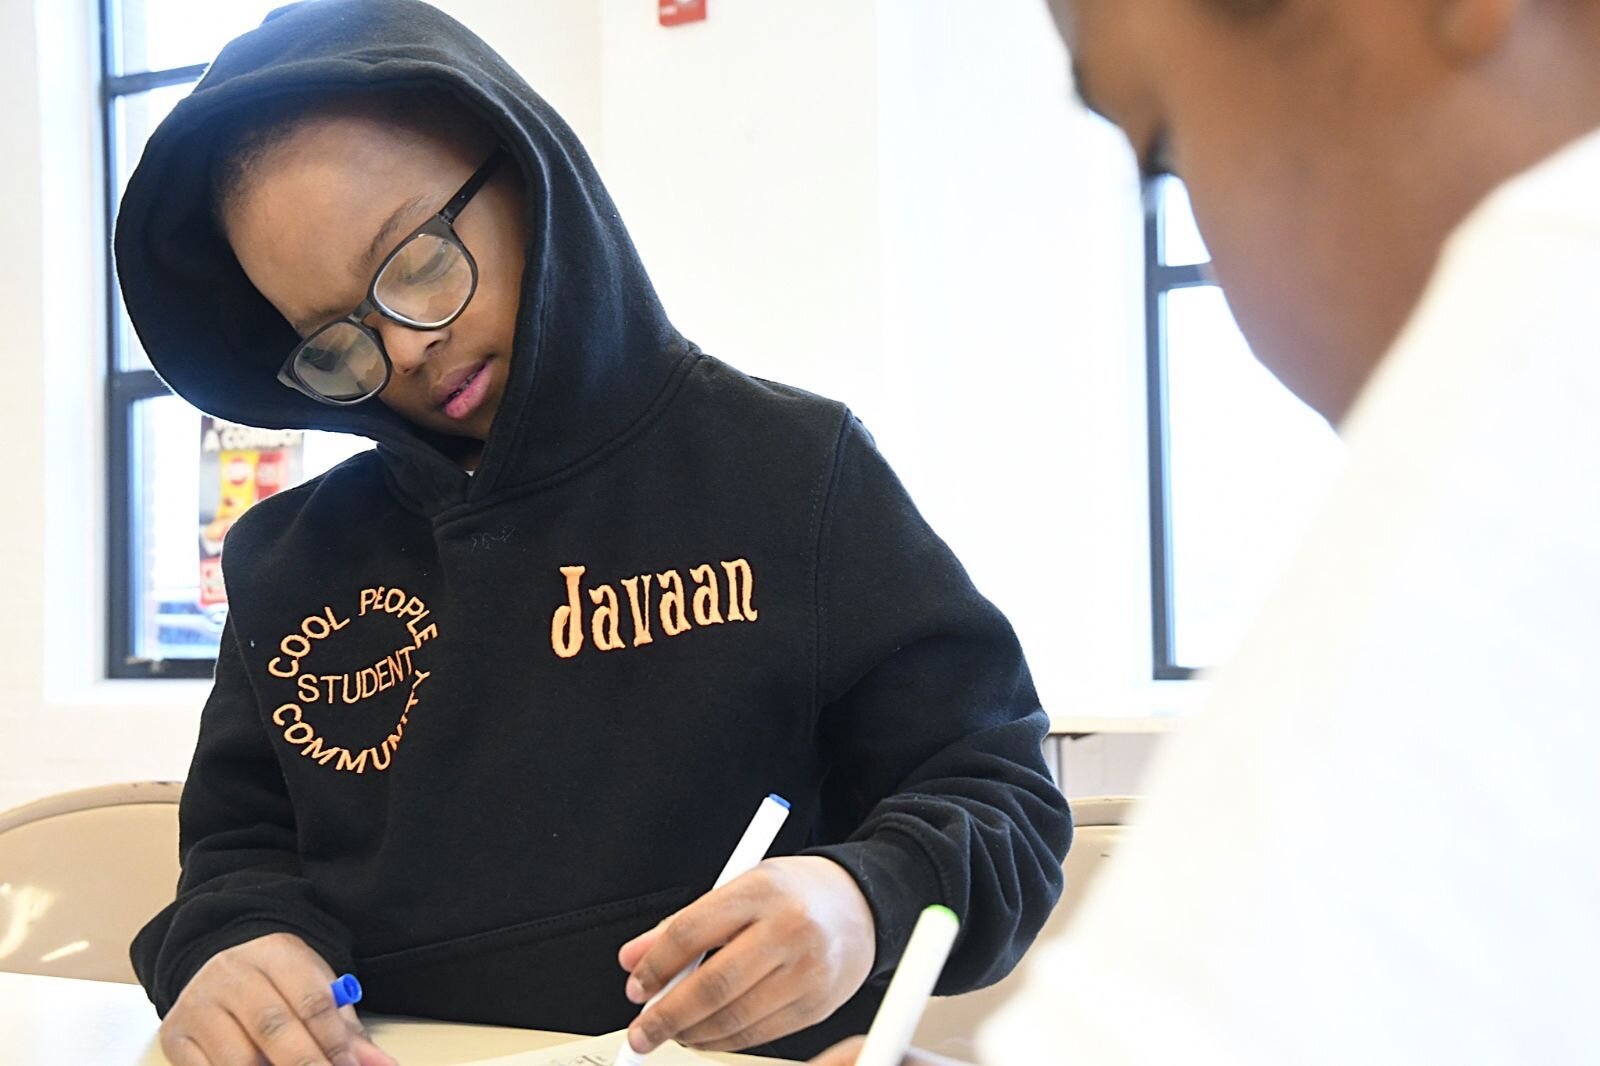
(318, 694)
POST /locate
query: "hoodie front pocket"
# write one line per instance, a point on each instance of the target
(558, 972)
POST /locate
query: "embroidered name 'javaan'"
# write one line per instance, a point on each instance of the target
(674, 606)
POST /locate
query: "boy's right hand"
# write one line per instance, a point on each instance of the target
(269, 999)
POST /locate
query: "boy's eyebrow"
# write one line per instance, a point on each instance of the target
(383, 243)
(366, 265)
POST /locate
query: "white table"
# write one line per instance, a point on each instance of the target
(53, 1021)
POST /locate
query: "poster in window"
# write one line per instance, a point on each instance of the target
(239, 466)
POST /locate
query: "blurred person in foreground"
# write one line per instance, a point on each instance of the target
(1377, 844)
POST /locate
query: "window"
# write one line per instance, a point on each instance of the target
(162, 621)
(1237, 463)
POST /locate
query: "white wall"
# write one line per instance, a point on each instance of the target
(23, 530)
(742, 154)
(1014, 270)
(57, 726)
(554, 43)
(892, 203)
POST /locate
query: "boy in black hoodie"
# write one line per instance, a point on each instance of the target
(501, 694)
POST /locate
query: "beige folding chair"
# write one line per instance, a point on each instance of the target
(949, 1026)
(80, 873)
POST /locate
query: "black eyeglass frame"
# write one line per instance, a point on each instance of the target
(440, 225)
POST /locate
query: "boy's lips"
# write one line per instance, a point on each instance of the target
(462, 391)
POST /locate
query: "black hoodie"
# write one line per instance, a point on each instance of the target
(471, 733)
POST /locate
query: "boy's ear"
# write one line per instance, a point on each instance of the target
(1468, 31)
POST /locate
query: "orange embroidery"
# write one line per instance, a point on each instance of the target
(740, 576)
(673, 608)
(297, 646)
(707, 597)
(351, 687)
(566, 627)
(673, 619)
(641, 615)
(605, 618)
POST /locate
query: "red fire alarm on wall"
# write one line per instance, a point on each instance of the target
(681, 12)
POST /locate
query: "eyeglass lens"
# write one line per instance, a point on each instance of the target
(342, 362)
(424, 285)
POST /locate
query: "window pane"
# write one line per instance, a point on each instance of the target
(169, 620)
(131, 354)
(162, 34)
(1182, 244)
(324, 451)
(135, 116)
(1248, 465)
(185, 497)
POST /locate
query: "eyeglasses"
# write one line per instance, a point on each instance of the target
(425, 283)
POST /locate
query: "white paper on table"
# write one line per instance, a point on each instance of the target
(595, 1051)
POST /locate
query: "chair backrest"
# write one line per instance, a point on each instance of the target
(80, 874)
(950, 1024)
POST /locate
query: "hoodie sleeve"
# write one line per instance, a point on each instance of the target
(241, 873)
(935, 733)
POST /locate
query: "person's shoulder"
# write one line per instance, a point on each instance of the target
(1502, 336)
(762, 397)
(722, 394)
(1559, 188)
(1519, 265)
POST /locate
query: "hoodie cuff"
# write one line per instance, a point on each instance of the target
(898, 879)
(241, 931)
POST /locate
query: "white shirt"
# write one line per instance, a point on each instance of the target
(1381, 844)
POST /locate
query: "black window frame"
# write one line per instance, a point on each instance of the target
(125, 388)
(1160, 280)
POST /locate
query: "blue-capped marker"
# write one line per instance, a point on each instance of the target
(751, 849)
(346, 990)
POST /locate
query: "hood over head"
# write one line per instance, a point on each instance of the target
(593, 349)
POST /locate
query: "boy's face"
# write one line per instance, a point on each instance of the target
(1313, 140)
(318, 212)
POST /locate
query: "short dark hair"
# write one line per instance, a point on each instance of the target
(241, 145)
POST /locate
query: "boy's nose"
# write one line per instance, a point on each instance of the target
(408, 348)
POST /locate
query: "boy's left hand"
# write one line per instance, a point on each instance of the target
(796, 940)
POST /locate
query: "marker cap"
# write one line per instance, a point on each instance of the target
(346, 990)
